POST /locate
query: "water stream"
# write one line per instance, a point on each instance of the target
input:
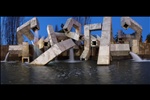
(137, 58)
(6, 57)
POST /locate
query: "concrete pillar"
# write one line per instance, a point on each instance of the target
(135, 46)
(104, 48)
(25, 49)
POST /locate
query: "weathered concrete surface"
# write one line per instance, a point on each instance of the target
(147, 48)
(120, 49)
(61, 36)
(144, 48)
(89, 40)
(25, 29)
(51, 35)
(40, 43)
(104, 48)
(104, 55)
(87, 44)
(15, 49)
(53, 52)
(127, 22)
(94, 41)
(68, 26)
(135, 46)
(25, 49)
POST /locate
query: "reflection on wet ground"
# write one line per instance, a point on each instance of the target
(85, 72)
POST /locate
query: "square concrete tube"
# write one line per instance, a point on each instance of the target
(127, 22)
(25, 29)
(68, 26)
(31, 24)
(53, 52)
(87, 39)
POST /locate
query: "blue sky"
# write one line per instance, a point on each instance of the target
(144, 21)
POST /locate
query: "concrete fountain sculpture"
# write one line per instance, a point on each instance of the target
(59, 43)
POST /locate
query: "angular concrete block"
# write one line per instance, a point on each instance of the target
(53, 52)
(127, 22)
(87, 43)
(104, 55)
(72, 23)
(106, 37)
(68, 26)
(89, 40)
(51, 35)
(135, 46)
(85, 54)
(68, 43)
(73, 35)
(26, 30)
(25, 49)
(119, 47)
(40, 43)
(56, 49)
(96, 26)
(15, 49)
(19, 38)
(34, 24)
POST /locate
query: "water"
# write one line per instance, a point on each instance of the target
(71, 54)
(37, 51)
(136, 58)
(6, 57)
(71, 57)
(85, 72)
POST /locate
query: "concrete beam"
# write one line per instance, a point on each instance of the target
(25, 29)
(53, 52)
